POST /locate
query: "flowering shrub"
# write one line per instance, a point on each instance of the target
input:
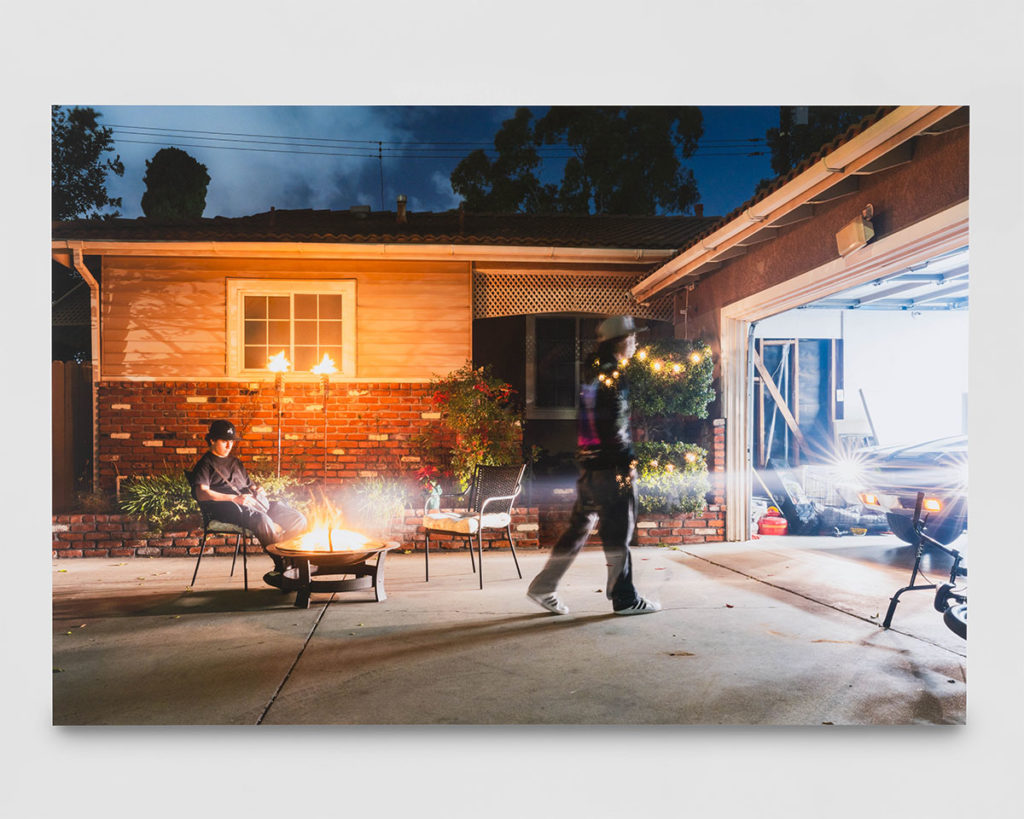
(673, 477)
(480, 424)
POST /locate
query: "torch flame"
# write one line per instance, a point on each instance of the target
(278, 363)
(325, 367)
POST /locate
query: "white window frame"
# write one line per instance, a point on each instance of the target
(238, 289)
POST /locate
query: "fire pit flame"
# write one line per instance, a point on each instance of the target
(328, 539)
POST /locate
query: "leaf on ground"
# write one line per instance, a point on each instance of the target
(61, 570)
(59, 670)
(681, 654)
(828, 723)
(729, 605)
(83, 625)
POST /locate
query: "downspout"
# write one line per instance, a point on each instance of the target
(94, 326)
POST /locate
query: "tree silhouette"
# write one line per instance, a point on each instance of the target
(79, 168)
(625, 160)
(176, 186)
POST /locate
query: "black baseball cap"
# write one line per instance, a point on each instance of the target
(222, 431)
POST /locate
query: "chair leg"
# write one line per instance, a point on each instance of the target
(202, 546)
(426, 557)
(508, 529)
(234, 557)
(480, 556)
(472, 559)
(245, 565)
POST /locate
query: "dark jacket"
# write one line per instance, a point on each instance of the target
(603, 436)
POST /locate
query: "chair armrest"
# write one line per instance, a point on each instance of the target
(498, 498)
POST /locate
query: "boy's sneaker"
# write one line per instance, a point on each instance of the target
(641, 606)
(549, 602)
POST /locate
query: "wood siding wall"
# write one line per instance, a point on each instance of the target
(165, 318)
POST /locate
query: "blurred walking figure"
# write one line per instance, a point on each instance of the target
(606, 488)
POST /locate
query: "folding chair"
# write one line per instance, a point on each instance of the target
(491, 495)
(212, 526)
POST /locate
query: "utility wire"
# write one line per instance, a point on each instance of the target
(192, 133)
(370, 154)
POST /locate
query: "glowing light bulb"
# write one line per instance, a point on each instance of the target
(657, 366)
(695, 358)
(677, 368)
(642, 355)
(690, 457)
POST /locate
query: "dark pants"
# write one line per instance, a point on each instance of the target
(612, 497)
(290, 520)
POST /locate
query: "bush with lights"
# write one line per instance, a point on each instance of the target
(670, 380)
(673, 477)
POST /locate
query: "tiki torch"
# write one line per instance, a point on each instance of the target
(279, 365)
(324, 370)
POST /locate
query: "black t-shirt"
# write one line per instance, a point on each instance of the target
(228, 467)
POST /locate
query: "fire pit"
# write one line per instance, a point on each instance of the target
(336, 554)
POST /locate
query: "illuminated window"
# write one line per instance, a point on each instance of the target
(305, 319)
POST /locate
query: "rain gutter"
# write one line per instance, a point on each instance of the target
(330, 250)
(846, 160)
(78, 262)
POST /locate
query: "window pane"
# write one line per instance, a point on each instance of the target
(280, 333)
(305, 305)
(255, 358)
(330, 306)
(305, 359)
(305, 332)
(330, 333)
(556, 362)
(279, 307)
(255, 307)
(255, 332)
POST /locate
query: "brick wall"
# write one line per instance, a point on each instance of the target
(148, 428)
(94, 535)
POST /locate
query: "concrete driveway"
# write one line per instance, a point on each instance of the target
(777, 631)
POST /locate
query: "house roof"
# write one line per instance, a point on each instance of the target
(452, 227)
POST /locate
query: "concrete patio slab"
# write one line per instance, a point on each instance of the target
(762, 633)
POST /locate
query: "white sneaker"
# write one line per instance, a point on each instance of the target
(641, 606)
(549, 602)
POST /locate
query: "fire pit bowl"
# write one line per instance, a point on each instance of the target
(314, 562)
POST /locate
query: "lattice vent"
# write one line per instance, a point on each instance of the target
(516, 294)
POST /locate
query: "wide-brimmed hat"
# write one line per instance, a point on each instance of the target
(617, 327)
(222, 431)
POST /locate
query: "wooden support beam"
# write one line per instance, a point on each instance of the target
(779, 401)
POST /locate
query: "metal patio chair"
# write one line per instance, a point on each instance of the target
(491, 495)
(212, 526)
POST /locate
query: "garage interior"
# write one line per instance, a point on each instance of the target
(883, 364)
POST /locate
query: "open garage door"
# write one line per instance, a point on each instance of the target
(865, 391)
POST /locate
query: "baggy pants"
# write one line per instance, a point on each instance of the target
(610, 496)
(290, 520)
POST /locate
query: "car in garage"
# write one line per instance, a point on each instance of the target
(893, 477)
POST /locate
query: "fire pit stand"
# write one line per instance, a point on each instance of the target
(315, 567)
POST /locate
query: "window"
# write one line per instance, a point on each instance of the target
(555, 346)
(304, 319)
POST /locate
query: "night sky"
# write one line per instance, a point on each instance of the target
(336, 157)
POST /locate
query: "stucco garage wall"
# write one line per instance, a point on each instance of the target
(936, 179)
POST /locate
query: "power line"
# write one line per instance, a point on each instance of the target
(192, 133)
(389, 153)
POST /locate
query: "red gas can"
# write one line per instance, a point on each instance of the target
(771, 525)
